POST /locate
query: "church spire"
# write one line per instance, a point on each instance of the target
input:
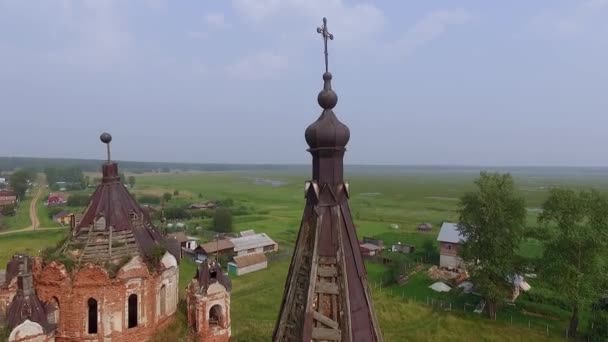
(326, 296)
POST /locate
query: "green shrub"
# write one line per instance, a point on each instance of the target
(78, 200)
(149, 199)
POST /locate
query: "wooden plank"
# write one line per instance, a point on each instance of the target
(327, 272)
(328, 288)
(327, 260)
(325, 320)
(326, 334)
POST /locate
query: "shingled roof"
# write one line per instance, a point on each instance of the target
(113, 225)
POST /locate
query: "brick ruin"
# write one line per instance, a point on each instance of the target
(208, 302)
(112, 279)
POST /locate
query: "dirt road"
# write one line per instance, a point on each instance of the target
(35, 223)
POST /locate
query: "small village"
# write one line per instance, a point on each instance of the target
(471, 203)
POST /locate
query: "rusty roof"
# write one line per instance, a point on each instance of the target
(249, 259)
(112, 210)
(326, 294)
(214, 246)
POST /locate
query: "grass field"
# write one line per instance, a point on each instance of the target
(377, 202)
(22, 218)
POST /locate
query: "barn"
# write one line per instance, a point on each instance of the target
(247, 263)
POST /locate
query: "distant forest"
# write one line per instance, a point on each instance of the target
(93, 165)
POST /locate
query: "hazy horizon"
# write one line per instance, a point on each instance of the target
(419, 84)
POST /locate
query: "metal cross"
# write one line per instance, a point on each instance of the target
(326, 35)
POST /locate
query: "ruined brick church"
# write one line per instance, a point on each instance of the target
(115, 278)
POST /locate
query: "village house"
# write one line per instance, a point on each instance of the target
(247, 263)
(221, 247)
(402, 248)
(63, 217)
(7, 197)
(56, 198)
(373, 241)
(253, 243)
(369, 250)
(450, 239)
(185, 241)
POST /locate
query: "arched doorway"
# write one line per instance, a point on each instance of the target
(215, 316)
(52, 311)
(163, 300)
(92, 305)
(132, 310)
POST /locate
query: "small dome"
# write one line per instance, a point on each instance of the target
(105, 138)
(327, 131)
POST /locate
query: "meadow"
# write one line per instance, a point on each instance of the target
(378, 202)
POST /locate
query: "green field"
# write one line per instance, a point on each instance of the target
(22, 218)
(377, 202)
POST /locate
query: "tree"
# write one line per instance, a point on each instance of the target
(131, 181)
(574, 257)
(175, 192)
(166, 197)
(222, 220)
(78, 200)
(491, 222)
(19, 182)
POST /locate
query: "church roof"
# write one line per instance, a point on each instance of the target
(25, 304)
(113, 225)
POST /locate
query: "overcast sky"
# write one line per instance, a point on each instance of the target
(419, 82)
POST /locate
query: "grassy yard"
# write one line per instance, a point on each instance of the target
(29, 242)
(22, 218)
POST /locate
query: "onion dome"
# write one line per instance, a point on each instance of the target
(327, 132)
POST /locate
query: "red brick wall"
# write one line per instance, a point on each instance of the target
(198, 309)
(72, 292)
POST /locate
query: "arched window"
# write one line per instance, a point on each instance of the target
(52, 311)
(132, 311)
(163, 300)
(92, 304)
(215, 316)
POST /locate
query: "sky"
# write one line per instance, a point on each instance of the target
(235, 81)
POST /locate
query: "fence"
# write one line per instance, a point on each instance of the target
(469, 308)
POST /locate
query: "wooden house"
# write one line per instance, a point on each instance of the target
(56, 198)
(221, 247)
(185, 241)
(450, 239)
(63, 217)
(373, 241)
(247, 263)
(369, 250)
